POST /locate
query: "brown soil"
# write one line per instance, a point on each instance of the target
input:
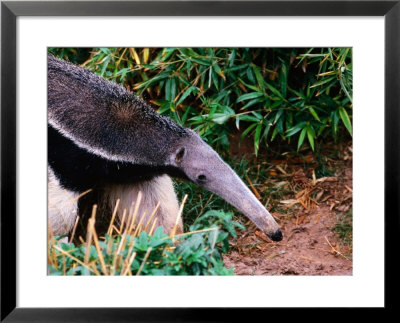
(308, 211)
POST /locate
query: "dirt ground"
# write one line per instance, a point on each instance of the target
(311, 207)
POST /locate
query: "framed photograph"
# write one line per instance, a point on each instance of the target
(244, 44)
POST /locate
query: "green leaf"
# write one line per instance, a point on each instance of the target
(201, 61)
(214, 76)
(295, 129)
(250, 75)
(251, 87)
(301, 138)
(105, 64)
(259, 77)
(343, 55)
(105, 50)
(173, 89)
(236, 68)
(303, 56)
(257, 138)
(168, 90)
(300, 95)
(251, 102)
(147, 83)
(221, 118)
(345, 90)
(279, 126)
(311, 136)
(346, 120)
(186, 94)
(278, 115)
(231, 58)
(246, 117)
(185, 115)
(323, 81)
(248, 130)
(274, 133)
(149, 66)
(167, 52)
(219, 71)
(249, 96)
(283, 78)
(274, 90)
(314, 114)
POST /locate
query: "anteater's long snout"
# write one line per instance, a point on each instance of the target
(231, 188)
(203, 166)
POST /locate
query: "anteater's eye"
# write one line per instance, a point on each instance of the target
(179, 155)
(201, 178)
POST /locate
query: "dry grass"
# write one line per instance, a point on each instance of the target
(118, 239)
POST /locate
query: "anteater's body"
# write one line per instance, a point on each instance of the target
(102, 137)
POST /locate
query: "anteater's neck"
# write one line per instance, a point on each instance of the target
(79, 170)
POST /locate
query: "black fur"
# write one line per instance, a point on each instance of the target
(79, 170)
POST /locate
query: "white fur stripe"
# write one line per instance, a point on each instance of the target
(62, 206)
(98, 152)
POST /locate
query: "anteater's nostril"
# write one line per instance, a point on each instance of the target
(277, 236)
(201, 178)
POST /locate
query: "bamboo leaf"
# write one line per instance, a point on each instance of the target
(325, 80)
(278, 115)
(105, 65)
(259, 77)
(274, 90)
(219, 71)
(173, 88)
(251, 102)
(295, 129)
(346, 120)
(251, 127)
(221, 118)
(168, 90)
(303, 56)
(266, 131)
(249, 96)
(345, 90)
(186, 94)
(301, 138)
(311, 136)
(314, 114)
(252, 87)
(200, 61)
(284, 79)
(231, 58)
(257, 138)
(245, 117)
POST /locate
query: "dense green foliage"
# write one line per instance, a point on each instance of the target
(194, 253)
(295, 95)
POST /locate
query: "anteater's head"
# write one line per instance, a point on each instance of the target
(202, 165)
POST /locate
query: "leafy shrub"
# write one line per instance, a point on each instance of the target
(294, 94)
(198, 252)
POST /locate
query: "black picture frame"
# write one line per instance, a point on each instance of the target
(11, 10)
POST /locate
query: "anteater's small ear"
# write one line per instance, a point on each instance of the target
(178, 156)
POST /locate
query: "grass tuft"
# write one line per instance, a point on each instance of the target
(141, 250)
